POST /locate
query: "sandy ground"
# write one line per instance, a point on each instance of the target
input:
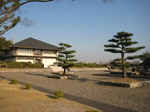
(14, 98)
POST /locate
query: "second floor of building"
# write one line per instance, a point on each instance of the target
(32, 52)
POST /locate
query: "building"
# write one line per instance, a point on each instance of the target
(33, 50)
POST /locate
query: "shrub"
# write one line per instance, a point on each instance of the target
(14, 81)
(28, 86)
(82, 64)
(24, 65)
(59, 94)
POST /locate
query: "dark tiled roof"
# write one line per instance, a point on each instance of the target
(34, 43)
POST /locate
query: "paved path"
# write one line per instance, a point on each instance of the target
(102, 106)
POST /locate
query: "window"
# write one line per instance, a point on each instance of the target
(46, 52)
(25, 58)
(37, 52)
(25, 50)
(49, 52)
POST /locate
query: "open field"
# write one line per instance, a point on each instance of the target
(13, 98)
(137, 99)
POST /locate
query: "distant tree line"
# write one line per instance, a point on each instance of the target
(83, 64)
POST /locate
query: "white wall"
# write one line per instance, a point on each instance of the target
(25, 54)
(47, 62)
(49, 55)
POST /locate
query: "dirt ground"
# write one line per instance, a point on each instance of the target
(14, 98)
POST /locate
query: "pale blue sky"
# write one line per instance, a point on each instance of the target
(86, 25)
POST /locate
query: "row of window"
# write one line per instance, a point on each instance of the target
(49, 52)
(25, 58)
(25, 50)
(36, 51)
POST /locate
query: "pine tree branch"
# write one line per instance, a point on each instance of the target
(14, 23)
(129, 43)
(70, 56)
(133, 57)
(113, 40)
(71, 60)
(68, 52)
(113, 50)
(65, 45)
(60, 55)
(111, 45)
(134, 49)
(118, 59)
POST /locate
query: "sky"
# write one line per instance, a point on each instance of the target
(85, 24)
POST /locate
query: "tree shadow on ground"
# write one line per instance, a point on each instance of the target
(35, 74)
(121, 76)
(82, 79)
(108, 75)
(51, 96)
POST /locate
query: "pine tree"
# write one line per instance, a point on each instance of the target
(65, 57)
(121, 43)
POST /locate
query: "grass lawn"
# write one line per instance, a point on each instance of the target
(14, 98)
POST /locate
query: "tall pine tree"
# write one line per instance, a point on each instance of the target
(121, 43)
(65, 57)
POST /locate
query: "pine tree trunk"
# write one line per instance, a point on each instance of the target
(123, 66)
(64, 73)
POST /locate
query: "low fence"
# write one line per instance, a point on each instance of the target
(24, 70)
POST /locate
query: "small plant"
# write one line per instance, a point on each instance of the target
(28, 86)
(14, 81)
(93, 111)
(59, 94)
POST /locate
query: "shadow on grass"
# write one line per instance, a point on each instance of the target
(24, 88)
(51, 96)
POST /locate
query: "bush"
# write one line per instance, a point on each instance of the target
(28, 86)
(14, 81)
(59, 94)
(24, 65)
(81, 64)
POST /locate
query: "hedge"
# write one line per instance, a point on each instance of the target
(81, 64)
(22, 65)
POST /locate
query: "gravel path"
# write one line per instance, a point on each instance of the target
(137, 99)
